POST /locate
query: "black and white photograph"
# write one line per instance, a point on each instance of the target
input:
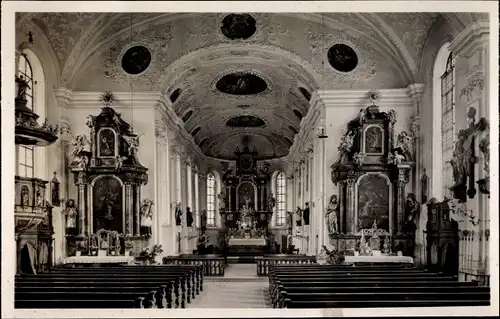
(198, 156)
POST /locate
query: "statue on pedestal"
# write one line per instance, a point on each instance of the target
(146, 217)
(189, 217)
(332, 215)
(22, 86)
(178, 214)
(71, 214)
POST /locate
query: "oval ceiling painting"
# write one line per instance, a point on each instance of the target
(136, 60)
(241, 83)
(342, 57)
(245, 121)
(238, 26)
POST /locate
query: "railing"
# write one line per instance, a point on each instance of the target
(264, 262)
(213, 265)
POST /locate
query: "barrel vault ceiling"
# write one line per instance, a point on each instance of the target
(236, 79)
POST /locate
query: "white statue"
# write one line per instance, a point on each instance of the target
(397, 158)
(146, 217)
(133, 143)
(332, 215)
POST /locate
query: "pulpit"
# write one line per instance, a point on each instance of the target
(108, 177)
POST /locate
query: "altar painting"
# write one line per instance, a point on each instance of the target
(108, 204)
(373, 202)
(106, 144)
(373, 139)
(246, 195)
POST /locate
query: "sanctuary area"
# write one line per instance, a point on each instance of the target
(252, 160)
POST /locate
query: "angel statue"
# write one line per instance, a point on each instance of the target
(133, 143)
(397, 158)
(405, 143)
(80, 144)
(332, 215)
(146, 217)
(91, 121)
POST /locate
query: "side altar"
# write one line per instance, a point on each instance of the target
(108, 218)
(246, 206)
(372, 172)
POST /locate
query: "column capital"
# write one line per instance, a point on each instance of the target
(161, 131)
(471, 39)
(175, 150)
(64, 96)
(415, 91)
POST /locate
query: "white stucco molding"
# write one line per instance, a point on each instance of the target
(471, 39)
(358, 98)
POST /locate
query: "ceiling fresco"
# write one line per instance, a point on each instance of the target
(220, 66)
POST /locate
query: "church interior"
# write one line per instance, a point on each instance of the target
(252, 160)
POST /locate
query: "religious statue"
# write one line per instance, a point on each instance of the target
(146, 217)
(91, 121)
(204, 220)
(119, 162)
(289, 219)
(397, 158)
(222, 201)
(22, 86)
(298, 212)
(305, 214)
(346, 144)
(332, 215)
(405, 143)
(247, 200)
(80, 145)
(38, 197)
(133, 143)
(71, 213)
(189, 217)
(178, 214)
(271, 203)
(25, 196)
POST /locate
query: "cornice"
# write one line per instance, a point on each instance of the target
(122, 99)
(358, 98)
(470, 39)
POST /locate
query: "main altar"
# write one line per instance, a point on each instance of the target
(246, 205)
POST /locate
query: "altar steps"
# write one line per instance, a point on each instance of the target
(241, 259)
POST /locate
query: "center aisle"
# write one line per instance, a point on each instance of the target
(239, 288)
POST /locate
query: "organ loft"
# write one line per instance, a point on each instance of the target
(349, 164)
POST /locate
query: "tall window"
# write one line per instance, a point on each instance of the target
(25, 158)
(211, 199)
(447, 123)
(280, 199)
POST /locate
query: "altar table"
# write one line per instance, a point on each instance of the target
(99, 260)
(247, 242)
(378, 259)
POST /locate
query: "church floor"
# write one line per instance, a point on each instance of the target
(239, 288)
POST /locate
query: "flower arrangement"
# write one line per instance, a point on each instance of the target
(107, 98)
(149, 255)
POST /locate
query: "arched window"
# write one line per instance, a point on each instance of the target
(210, 199)
(443, 122)
(280, 199)
(447, 123)
(25, 156)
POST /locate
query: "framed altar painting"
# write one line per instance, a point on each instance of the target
(107, 144)
(373, 140)
(373, 202)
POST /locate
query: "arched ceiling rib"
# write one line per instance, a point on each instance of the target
(190, 52)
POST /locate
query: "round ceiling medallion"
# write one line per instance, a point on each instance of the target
(136, 60)
(238, 26)
(342, 57)
(245, 121)
(241, 83)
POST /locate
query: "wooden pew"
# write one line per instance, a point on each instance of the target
(119, 283)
